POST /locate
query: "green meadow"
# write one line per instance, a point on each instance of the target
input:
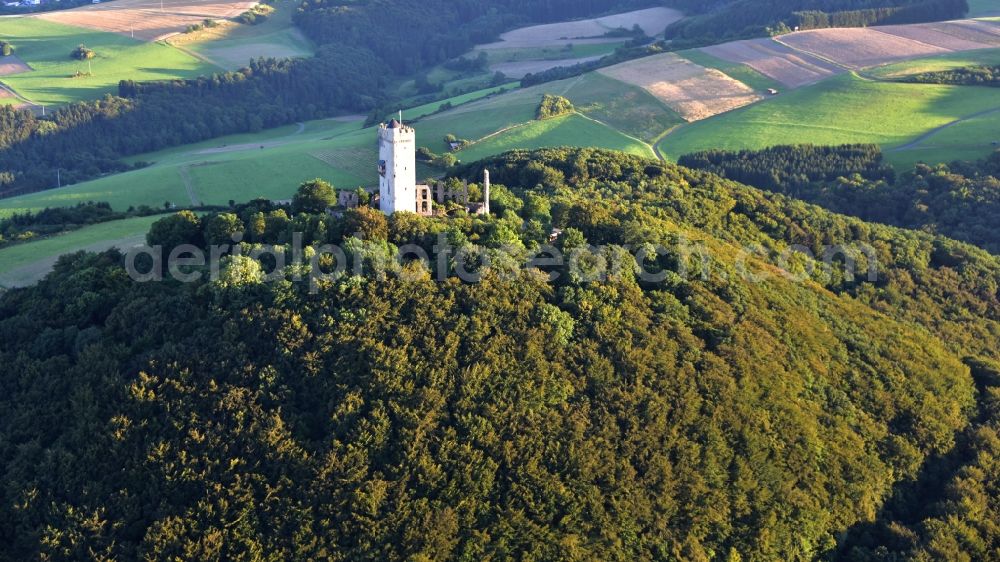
(567, 130)
(434, 107)
(844, 109)
(971, 139)
(53, 80)
(626, 108)
(27, 262)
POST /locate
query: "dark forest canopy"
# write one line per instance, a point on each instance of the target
(789, 168)
(702, 418)
(960, 200)
(728, 19)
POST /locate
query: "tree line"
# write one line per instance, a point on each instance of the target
(793, 167)
(960, 200)
(966, 76)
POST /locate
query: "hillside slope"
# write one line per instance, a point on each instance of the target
(398, 418)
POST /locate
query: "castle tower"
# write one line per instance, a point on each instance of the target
(397, 167)
(486, 192)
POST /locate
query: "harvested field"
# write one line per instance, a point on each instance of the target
(776, 61)
(693, 91)
(985, 32)
(857, 48)
(937, 37)
(146, 19)
(12, 65)
(653, 21)
(518, 70)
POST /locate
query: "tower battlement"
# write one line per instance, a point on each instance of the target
(397, 167)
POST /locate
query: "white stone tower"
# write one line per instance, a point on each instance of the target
(486, 192)
(397, 167)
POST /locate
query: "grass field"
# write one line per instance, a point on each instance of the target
(969, 140)
(46, 47)
(624, 107)
(740, 72)
(844, 109)
(568, 130)
(164, 180)
(25, 263)
(434, 107)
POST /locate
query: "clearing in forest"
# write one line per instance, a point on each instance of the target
(693, 91)
(653, 21)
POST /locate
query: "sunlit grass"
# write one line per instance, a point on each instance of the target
(54, 80)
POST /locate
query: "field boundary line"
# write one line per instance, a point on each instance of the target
(619, 131)
(194, 54)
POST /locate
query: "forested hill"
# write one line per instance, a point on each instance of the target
(705, 417)
(729, 19)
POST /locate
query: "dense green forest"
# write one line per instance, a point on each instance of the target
(728, 411)
(960, 200)
(966, 76)
(730, 19)
(792, 168)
